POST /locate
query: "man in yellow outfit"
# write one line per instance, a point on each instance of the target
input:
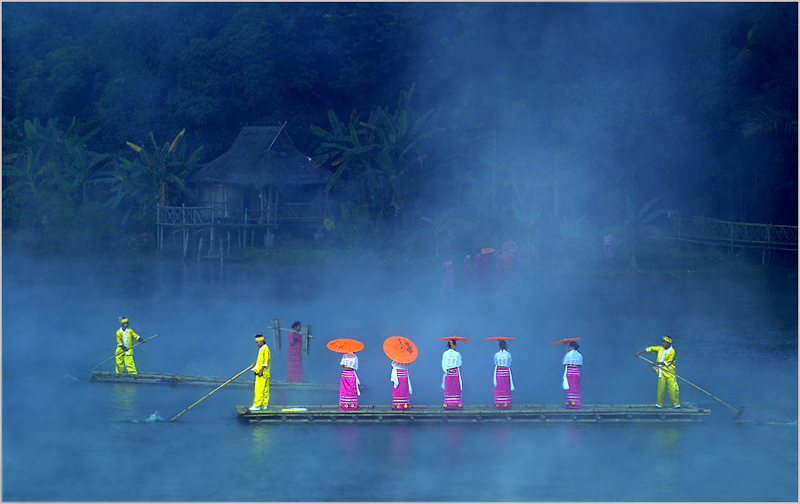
(262, 371)
(124, 355)
(665, 367)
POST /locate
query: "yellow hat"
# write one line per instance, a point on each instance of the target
(259, 337)
(123, 320)
(667, 339)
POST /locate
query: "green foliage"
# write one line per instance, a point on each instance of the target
(355, 225)
(156, 177)
(378, 156)
(637, 226)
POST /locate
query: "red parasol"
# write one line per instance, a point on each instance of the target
(565, 340)
(457, 338)
(400, 349)
(345, 345)
(510, 246)
(498, 337)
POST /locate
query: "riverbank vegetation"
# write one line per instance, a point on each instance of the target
(447, 127)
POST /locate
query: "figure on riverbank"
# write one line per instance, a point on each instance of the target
(449, 275)
(665, 369)
(262, 370)
(124, 353)
(607, 244)
(468, 275)
(573, 361)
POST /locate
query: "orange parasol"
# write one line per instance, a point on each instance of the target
(400, 349)
(457, 338)
(510, 246)
(345, 345)
(487, 250)
(565, 340)
(498, 337)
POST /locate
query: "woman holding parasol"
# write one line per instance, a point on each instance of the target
(348, 385)
(451, 381)
(503, 381)
(402, 351)
(573, 361)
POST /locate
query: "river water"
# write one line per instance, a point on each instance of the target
(66, 439)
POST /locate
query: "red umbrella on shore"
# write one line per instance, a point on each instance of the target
(498, 337)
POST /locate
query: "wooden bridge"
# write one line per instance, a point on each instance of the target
(729, 234)
(214, 226)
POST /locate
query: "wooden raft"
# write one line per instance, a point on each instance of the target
(536, 413)
(210, 381)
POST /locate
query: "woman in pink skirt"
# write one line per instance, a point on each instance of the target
(451, 381)
(401, 386)
(348, 387)
(294, 368)
(503, 382)
(572, 376)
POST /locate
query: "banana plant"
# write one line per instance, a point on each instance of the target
(157, 177)
(378, 154)
(638, 225)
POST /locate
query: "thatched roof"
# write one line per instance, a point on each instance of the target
(262, 155)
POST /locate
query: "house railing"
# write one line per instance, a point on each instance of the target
(210, 215)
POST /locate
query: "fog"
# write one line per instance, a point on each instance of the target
(555, 111)
(206, 317)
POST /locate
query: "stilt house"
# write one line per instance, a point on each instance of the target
(260, 186)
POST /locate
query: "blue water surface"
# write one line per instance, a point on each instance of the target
(66, 439)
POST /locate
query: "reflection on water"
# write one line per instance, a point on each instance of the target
(124, 401)
(400, 444)
(668, 437)
(262, 440)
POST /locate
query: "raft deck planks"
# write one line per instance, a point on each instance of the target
(211, 381)
(541, 413)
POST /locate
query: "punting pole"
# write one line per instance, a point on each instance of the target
(115, 354)
(738, 412)
(248, 368)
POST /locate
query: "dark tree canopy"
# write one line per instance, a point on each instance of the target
(558, 110)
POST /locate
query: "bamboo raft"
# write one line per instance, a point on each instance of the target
(210, 381)
(529, 413)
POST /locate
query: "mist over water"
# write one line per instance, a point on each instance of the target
(65, 439)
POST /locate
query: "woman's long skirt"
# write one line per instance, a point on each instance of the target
(348, 391)
(574, 391)
(502, 391)
(294, 369)
(452, 390)
(401, 398)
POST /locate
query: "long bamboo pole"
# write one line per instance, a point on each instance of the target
(738, 412)
(248, 368)
(115, 354)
